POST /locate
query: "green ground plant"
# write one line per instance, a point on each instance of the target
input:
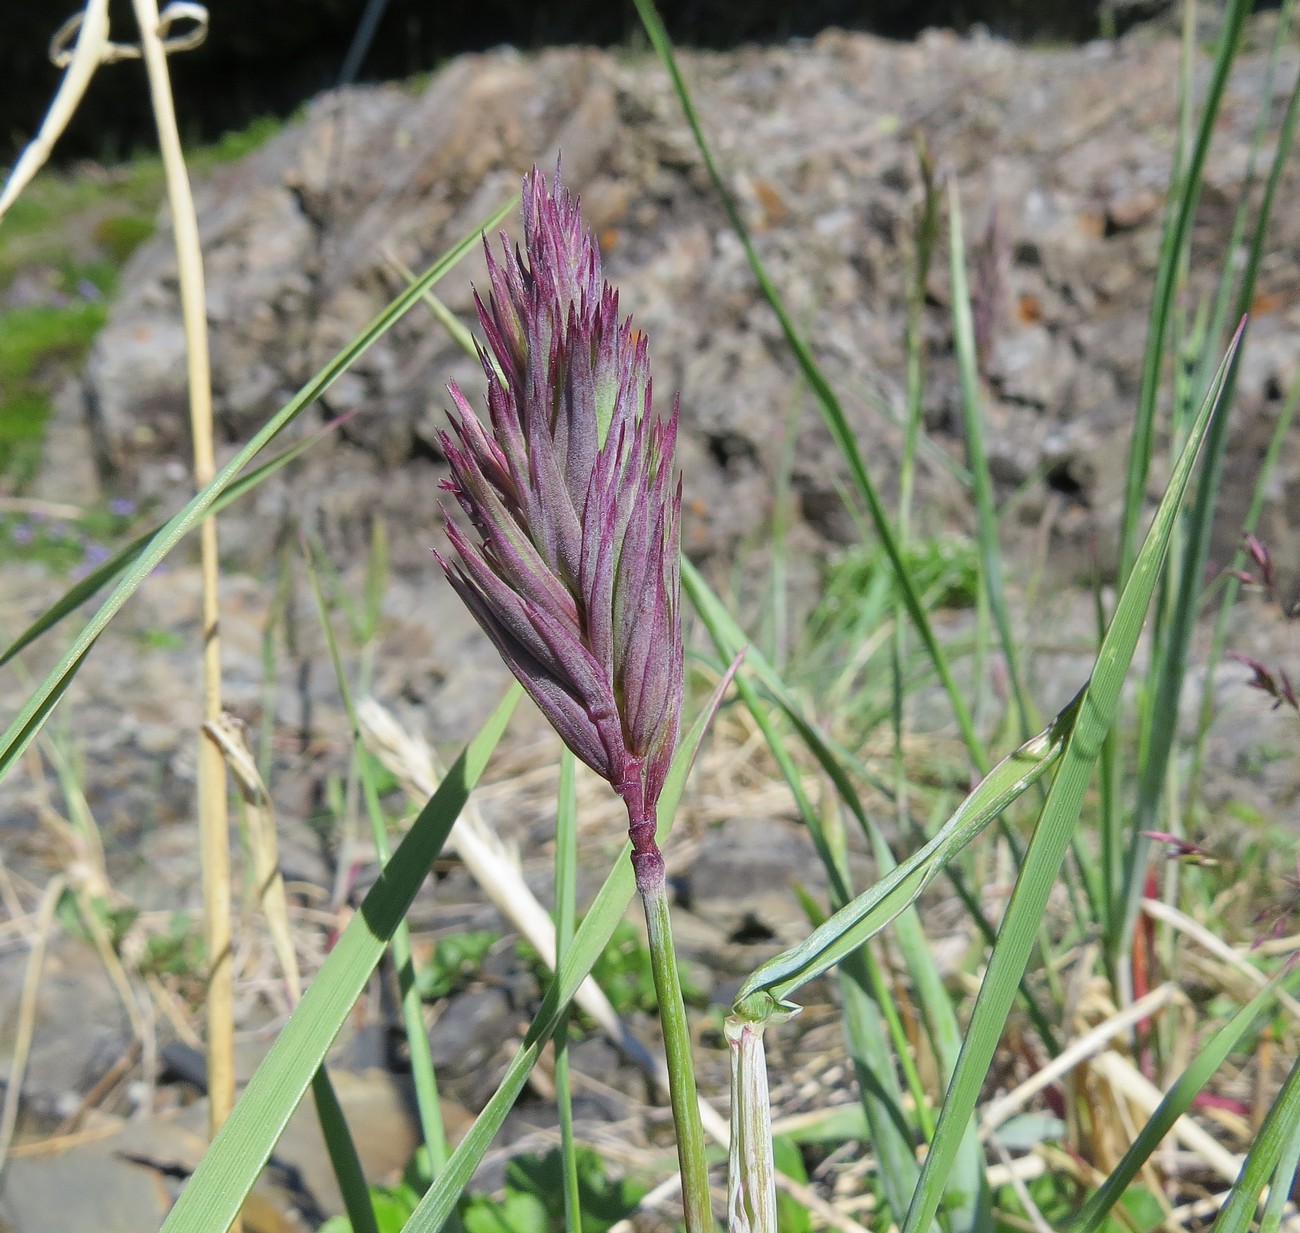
(62, 246)
(1100, 784)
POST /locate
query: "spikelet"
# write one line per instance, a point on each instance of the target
(570, 490)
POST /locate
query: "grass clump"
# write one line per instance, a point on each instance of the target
(36, 346)
(62, 246)
(238, 143)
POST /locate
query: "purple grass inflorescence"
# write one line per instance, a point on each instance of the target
(575, 577)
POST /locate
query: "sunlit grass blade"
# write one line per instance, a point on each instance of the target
(1282, 1185)
(870, 1025)
(926, 236)
(891, 1135)
(1185, 193)
(566, 914)
(832, 410)
(1052, 835)
(419, 1050)
(34, 712)
(225, 1175)
(729, 639)
(589, 941)
(1177, 1100)
(101, 575)
(1226, 307)
(866, 915)
(1277, 1138)
(868, 1042)
(966, 1197)
(977, 458)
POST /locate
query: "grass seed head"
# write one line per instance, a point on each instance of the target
(573, 567)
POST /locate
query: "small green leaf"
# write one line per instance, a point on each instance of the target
(864, 917)
(516, 1213)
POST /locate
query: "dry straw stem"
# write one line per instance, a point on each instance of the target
(83, 865)
(1277, 946)
(498, 875)
(1005, 1173)
(42, 509)
(214, 836)
(1196, 1213)
(27, 1014)
(1086, 1046)
(1128, 1081)
(93, 47)
(1036, 1217)
(268, 882)
(662, 1195)
(1218, 948)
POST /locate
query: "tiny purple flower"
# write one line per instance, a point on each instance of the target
(1262, 558)
(1278, 686)
(22, 533)
(575, 575)
(121, 507)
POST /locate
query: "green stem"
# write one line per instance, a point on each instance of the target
(691, 1155)
(566, 894)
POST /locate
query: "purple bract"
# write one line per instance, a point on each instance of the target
(575, 572)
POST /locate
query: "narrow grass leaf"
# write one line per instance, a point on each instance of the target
(1282, 1186)
(891, 1135)
(992, 598)
(729, 638)
(1047, 848)
(225, 1175)
(101, 575)
(28, 722)
(1277, 1137)
(419, 1051)
(966, 1197)
(1171, 667)
(1223, 301)
(1185, 194)
(869, 1045)
(871, 911)
(977, 457)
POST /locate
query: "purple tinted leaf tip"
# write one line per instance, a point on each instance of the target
(569, 487)
(1278, 687)
(1260, 554)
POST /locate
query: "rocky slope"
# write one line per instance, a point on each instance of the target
(1070, 151)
